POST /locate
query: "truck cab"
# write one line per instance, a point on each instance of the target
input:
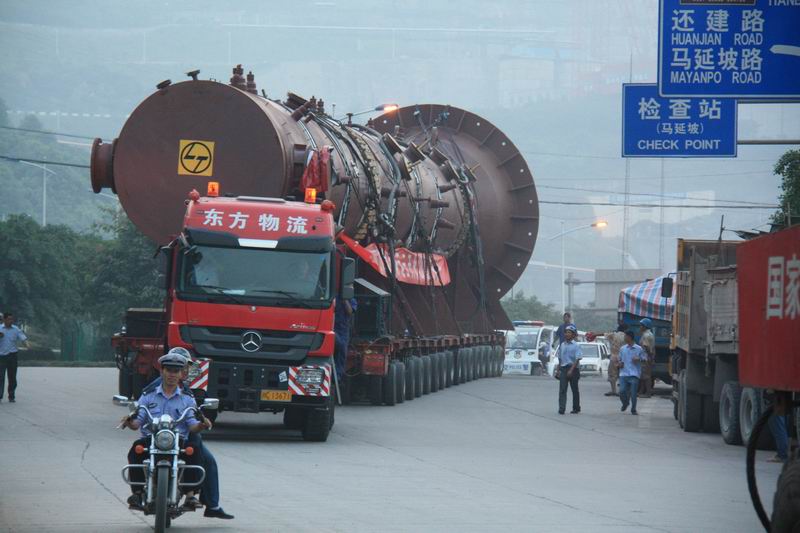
(251, 285)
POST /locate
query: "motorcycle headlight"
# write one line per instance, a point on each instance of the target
(165, 440)
(310, 376)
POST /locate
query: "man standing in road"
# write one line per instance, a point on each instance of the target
(342, 322)
(569, 356)
(631, 357)
(561, 331)
(648, 343)
(10, 338)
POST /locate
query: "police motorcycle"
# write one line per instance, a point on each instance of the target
(163, 469)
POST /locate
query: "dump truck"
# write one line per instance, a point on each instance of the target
(432, 205)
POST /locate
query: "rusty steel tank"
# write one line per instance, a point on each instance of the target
(431, 178)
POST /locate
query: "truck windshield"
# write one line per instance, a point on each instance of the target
(292, 278)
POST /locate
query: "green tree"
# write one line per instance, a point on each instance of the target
(522, 307)
(788, 167)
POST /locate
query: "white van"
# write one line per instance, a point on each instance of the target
(524, 346)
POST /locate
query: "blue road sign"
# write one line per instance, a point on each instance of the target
(658, 126)
(729, 48)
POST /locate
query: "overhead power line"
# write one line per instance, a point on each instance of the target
(45, 132)
(671, 206)
(671, 196)
(42, 161)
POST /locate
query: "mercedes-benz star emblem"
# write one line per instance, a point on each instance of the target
(251, 341)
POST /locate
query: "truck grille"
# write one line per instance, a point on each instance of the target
(225, 344)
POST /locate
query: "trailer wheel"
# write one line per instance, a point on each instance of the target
(751, 407)
(419, 376)
(729, 401)
(499, 358)
(410, 379)
(401, 381)
(463, 356)
(318, 423)
(375, 390)
(786, 505)
(471, 356)
(458, 355)
(710, 414)
(427, 367)
(390, 385)
(691, 408)
(485, 361)
(448, 367)
(434, 372)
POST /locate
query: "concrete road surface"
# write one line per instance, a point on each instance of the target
(490, 455)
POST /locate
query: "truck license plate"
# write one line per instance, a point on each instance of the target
(276, 396)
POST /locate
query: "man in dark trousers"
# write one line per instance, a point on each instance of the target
(569, 356)
(10, 339)
(342, 322)
(631, 358)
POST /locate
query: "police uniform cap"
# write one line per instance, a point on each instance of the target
(174, 360)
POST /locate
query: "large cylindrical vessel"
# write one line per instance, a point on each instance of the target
(432, 179)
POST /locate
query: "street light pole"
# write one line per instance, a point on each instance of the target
(45, 170)
(598, 224)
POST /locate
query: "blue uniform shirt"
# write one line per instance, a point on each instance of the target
(568, 353)
(158, 403)
(341, 320)
(629, 367)
(11, 337)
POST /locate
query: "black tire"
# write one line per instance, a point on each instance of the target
(427, 367)
(138, 382)
(751, 407)
(419, 376)
(434, 372)
(390, 385)
(675, 410)
(411, 380)
(786, 505)
(465, 364)
(401, 381)
(125, 382)
(318, 423)
(691, 408)
(448, 377)
(470, 361)
(442, 370)
(482, 361)
(710, 415)
(729, 401)
(536, 370)
(458, 356)
(162, 498)
(294, 418)
(375, 390)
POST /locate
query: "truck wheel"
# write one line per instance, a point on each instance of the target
(691, 409)
(390, 385)
(710, 415)
(138, 382)
(483, 365)
(427, 367)
(419, 376)
(401, 381)
(410, 379)
(318, 423)
(463, 356)
(434, 372)
(125, 382)
(729, 400)
(470, 361)
(786, 505)
(448, 367)
(751, 407)
(376, 390)
(294, 418)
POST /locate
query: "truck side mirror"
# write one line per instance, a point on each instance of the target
(348, 277)
(164, 255)
(666, 287)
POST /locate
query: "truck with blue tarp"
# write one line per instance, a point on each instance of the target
(644, 300)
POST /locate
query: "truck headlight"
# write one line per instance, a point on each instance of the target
(310, 376)
(165, 440)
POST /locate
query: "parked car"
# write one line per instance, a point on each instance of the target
(526, 346)
(596, 357)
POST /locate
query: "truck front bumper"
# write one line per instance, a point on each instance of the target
(253, 388)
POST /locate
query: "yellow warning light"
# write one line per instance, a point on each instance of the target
(311, 195)
(213, 189)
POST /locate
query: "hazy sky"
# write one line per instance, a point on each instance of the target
(547, 72)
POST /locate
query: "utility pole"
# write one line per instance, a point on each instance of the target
(661, 222)
(626, 209)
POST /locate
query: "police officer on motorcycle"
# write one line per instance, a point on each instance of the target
(167, 398)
